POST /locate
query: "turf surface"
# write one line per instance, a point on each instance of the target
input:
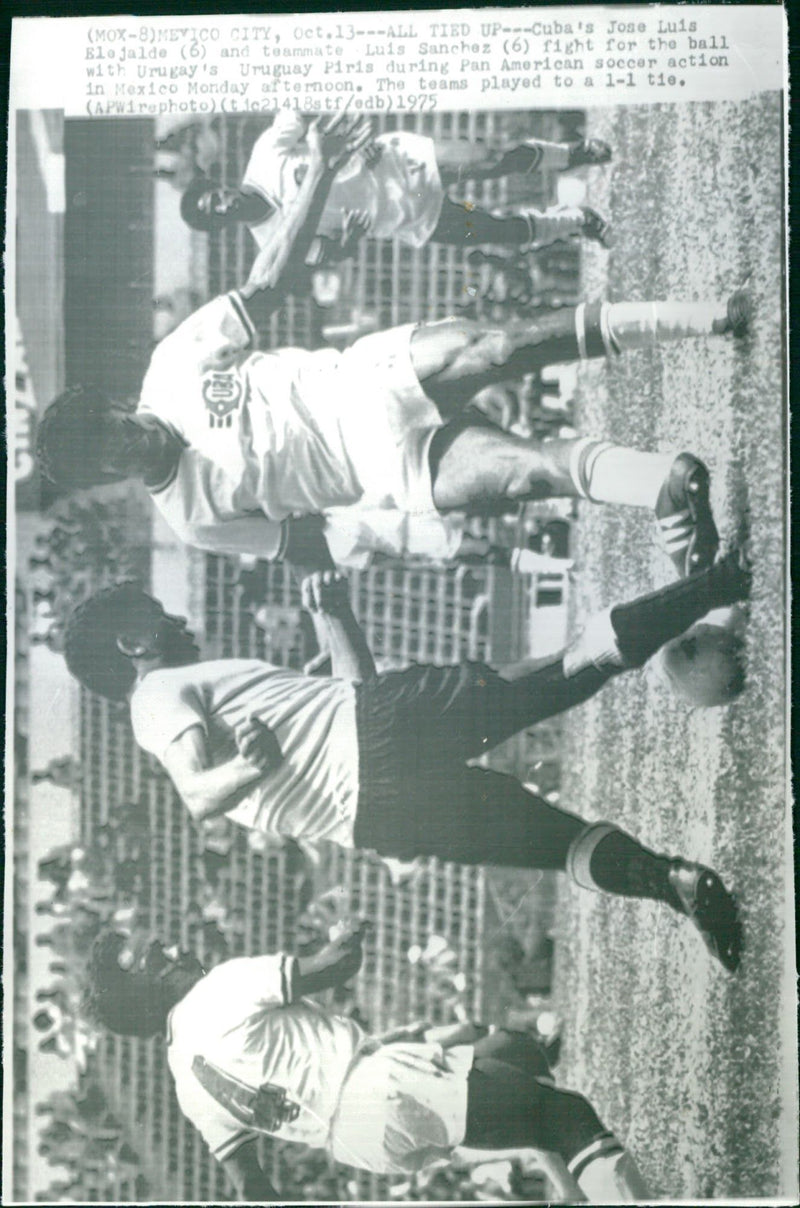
(693, 1067)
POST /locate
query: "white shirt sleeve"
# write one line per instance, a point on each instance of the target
(222, 1132)
(162, 710)
(266, 981)
(255, 534)
(211, 338)
(288, 129)
(264, 173)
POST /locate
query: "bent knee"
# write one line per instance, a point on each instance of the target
(530, 476)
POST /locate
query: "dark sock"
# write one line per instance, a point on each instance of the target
(621, 865)
(644, 625)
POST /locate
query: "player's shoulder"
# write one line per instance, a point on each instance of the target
(219, 313)
(154, 693)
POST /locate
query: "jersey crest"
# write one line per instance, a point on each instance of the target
(264, 1107)
(222, 393)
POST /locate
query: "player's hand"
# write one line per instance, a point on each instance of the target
(344, 952)
(410, 1033)
(333, 140)
(355, 225)
(256, 743)
(371, 153)
(325, 591)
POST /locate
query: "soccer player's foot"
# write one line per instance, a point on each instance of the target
(700, 895)
(589, 151)
(739, 315)
(733, 576)
(684, 518)
(595, 227)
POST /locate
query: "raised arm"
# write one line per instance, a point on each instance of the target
(324, 594)
(208, 791)
(331, 142)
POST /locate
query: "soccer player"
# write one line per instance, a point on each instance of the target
(235, 445)
(396, 188)
(380, 761)
(252, 1054)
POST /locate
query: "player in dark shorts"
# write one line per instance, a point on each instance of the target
(382, 763)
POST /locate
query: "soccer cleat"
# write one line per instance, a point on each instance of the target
(595, 227)
(683, 515)
(740, 313)
(589, 151)
(701, 896)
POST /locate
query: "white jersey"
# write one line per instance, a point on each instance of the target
(268, 435)
(313, 794)
(392, 1111)
(402, 193)
(240, 1017)
(261, 439)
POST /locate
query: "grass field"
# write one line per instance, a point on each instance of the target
(693, 1067)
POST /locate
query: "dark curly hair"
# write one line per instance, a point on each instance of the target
(68, 447)
(191, 214)
(130, 1004)
(90, 640)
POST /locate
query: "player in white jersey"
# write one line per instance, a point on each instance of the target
(396, 188)
(381, 760)
(251, 1054)
(235, 444)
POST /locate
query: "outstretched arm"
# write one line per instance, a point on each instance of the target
(244, 1170)
(331, 143)
(324, 594)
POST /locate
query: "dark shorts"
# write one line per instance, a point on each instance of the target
(513, 1103)
(423, 716)
(417, 795)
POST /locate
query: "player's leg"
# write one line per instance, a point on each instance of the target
(483, 817)
(459, 159)
(474, 464)
(462, 224)
(625, 326)
(452, 714)
(464, 355)
(508, 1108)
(615, 640)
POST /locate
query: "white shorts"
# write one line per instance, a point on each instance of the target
(354, 534)
(401, 1108)
(386, 421)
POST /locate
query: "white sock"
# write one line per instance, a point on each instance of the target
(556, 222)
(595, 646)
(529, 562)
(607, 1174)
(630, 325)
(551, 155)
(607, 473)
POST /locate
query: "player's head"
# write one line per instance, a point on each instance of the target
(706, 665)
(133, 985)
(207, 205)
(118, 632)
(85, 440)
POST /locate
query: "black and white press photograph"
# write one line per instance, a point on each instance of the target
(397, 769)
